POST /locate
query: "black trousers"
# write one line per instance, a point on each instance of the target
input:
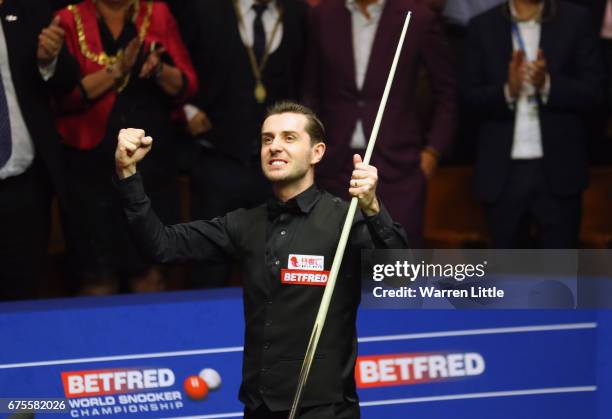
(220, 184)
(25, 203)
(529, 215)
(344, 410)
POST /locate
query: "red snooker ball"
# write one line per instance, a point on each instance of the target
(195, 387)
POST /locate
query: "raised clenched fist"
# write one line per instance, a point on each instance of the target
(132, 146)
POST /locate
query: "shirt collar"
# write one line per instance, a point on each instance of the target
(245, 6)
(301, 203)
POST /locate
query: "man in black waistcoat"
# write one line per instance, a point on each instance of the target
(285, 249)
(248, 54)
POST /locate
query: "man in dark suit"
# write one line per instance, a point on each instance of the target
(352, 46)
(32, 64)
(532, 70)
(248, 54)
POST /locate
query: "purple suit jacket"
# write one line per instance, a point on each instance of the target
(330, 88)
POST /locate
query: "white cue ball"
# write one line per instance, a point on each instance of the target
(211, 378)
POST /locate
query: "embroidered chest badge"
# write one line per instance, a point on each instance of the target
(305, 270)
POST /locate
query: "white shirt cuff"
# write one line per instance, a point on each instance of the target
(48, 71)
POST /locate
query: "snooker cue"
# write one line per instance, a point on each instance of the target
(346, 229)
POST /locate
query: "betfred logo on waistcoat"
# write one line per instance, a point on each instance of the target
(304, 277)
(115, 381)
(306, 262)
(305, 270)
(417, 368)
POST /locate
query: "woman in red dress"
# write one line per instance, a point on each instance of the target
(134, 71)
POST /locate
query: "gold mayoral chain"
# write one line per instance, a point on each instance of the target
(260, 90)
(103, 58)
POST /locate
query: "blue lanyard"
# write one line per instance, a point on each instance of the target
(521, 44)
(519, 38)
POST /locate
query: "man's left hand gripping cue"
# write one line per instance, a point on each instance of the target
(363, 186)
(132, 146)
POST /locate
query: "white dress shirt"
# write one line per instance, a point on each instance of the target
(527, 140)
(364, 32)
(22, 153)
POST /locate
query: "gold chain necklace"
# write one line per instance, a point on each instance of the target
(260, 90)
(103, 58)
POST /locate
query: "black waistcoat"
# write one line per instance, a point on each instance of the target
(279, 317)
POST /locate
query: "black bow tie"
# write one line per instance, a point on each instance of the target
(276, 208)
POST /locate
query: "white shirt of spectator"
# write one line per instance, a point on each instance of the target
(364, 32)
(527, 141)
(22, 153)
(269, 18)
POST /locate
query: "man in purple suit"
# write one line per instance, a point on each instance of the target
(351, 50)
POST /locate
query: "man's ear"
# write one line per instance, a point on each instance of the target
(318, 150)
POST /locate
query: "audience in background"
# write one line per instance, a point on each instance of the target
(32, 65)
(248, 54)
(533, 83)
(532, 71)
(351, 49)
(134, 69)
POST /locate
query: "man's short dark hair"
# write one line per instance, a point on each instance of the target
(314, 126)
